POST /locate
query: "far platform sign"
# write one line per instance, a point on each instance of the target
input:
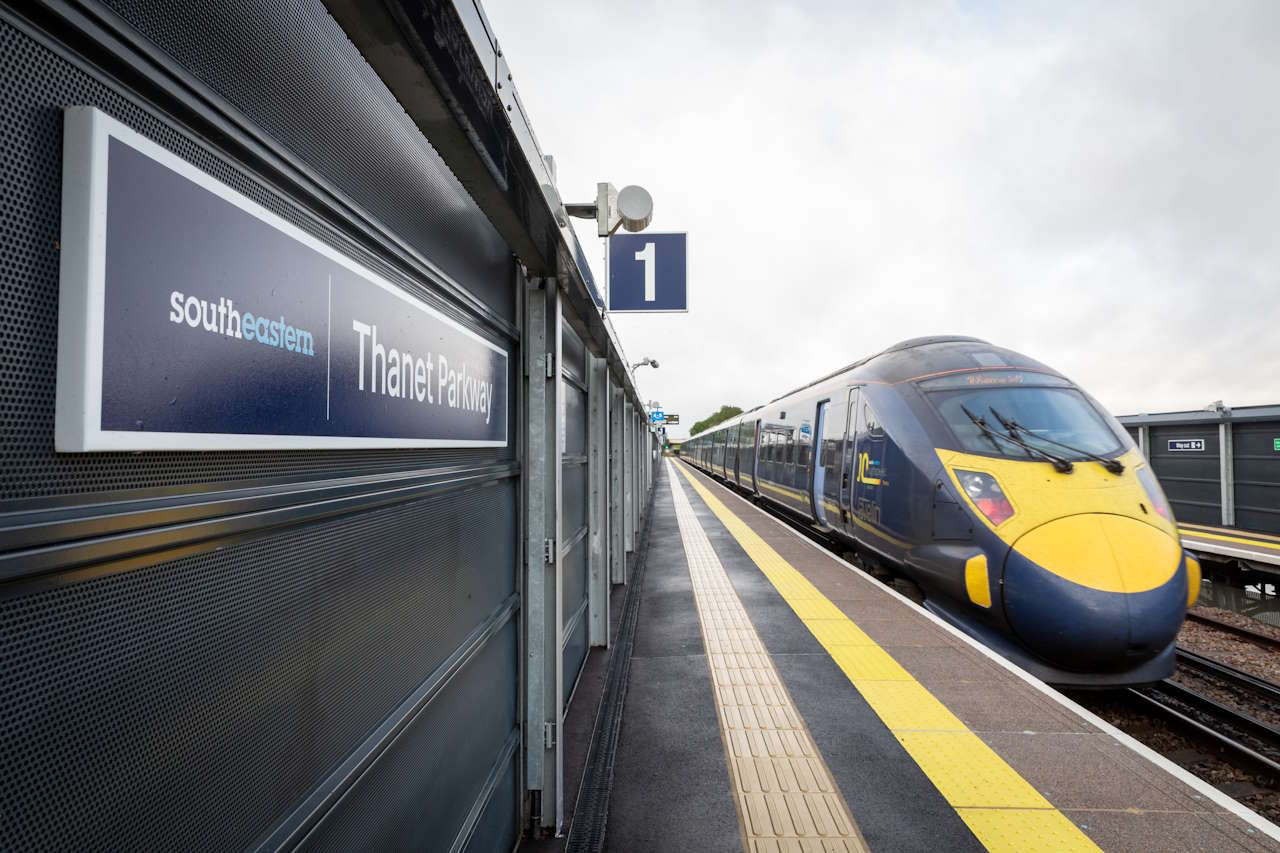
(1186, 445)
(192, 318)
(649, 272)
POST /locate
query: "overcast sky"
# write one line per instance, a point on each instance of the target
(1096, 185)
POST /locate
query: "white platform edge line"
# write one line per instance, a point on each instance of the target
(1213, 547)
(1241, 811)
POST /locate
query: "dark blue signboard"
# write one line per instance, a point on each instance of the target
(1186, 445)
(192, 318)
(648, 272)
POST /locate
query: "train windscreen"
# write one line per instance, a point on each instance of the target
(1010, 404)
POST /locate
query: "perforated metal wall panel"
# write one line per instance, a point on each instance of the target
(194, 703)
(418, 797)
(287, 65)
(221, 689)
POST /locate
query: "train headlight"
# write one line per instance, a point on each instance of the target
(986, 495)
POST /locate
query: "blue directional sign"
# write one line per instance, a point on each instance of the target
(649, 272)
(657, 416)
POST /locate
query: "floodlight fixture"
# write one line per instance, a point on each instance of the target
(630, 208)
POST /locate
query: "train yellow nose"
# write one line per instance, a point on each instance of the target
(1109, 553)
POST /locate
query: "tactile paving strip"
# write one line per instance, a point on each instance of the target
(1001, 808)
(786, 797)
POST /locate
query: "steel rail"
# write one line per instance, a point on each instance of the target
(1164, 700)
(1210, 668)
(1239, 630)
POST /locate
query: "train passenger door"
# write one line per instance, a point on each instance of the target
(847, 458)
(869, 478)
(755, 456)
(737, 452)
(817, 477)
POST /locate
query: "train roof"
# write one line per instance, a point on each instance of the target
(912, 359)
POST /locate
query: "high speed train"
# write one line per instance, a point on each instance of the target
(1017, 504)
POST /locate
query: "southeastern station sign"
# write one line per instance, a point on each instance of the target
(192, 318)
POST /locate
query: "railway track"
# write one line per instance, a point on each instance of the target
(1264, 640)
(1247, 742)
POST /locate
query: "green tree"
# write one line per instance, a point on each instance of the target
(709, 421)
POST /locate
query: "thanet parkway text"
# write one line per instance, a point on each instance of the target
(391, 372)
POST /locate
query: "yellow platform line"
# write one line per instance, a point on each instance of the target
(1204, 534)
(785, 795)
(1000, 807)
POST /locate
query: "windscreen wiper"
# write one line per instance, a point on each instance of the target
(987, 431)
(1115, 466)
(1062, 466)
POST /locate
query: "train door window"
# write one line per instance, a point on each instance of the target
(873, 428)
(848, 444)
(791, 449)
(832, 437)
(869, 479)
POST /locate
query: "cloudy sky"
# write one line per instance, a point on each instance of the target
(1096, 185)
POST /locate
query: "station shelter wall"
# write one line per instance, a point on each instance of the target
(280, 644)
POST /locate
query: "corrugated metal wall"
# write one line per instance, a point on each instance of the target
(1257, 475)
(227, 649)
(1191, 479)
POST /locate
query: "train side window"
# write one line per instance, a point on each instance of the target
(871, 423)
(791, 449)
(802, 456)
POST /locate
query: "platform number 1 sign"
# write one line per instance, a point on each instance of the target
(648, 272)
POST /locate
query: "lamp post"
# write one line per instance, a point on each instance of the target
(647, 362)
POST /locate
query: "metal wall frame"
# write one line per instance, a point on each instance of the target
(617, 488)
(598, 570)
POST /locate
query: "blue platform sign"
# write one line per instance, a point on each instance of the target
(657, 416)
(192, 318)
(649, 272)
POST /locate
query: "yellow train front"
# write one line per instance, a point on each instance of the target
(1019, 507)
(1092, 578)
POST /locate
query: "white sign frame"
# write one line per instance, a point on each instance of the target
(87, 132)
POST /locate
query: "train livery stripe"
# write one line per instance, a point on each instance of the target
(1001, 808)
(784, 791)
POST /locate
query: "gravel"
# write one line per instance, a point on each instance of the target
(1235, 651)
(1239, 619)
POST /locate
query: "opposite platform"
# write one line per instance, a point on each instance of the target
(930, 742)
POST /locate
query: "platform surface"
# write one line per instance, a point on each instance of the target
(1259, 548)
(780, 699)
